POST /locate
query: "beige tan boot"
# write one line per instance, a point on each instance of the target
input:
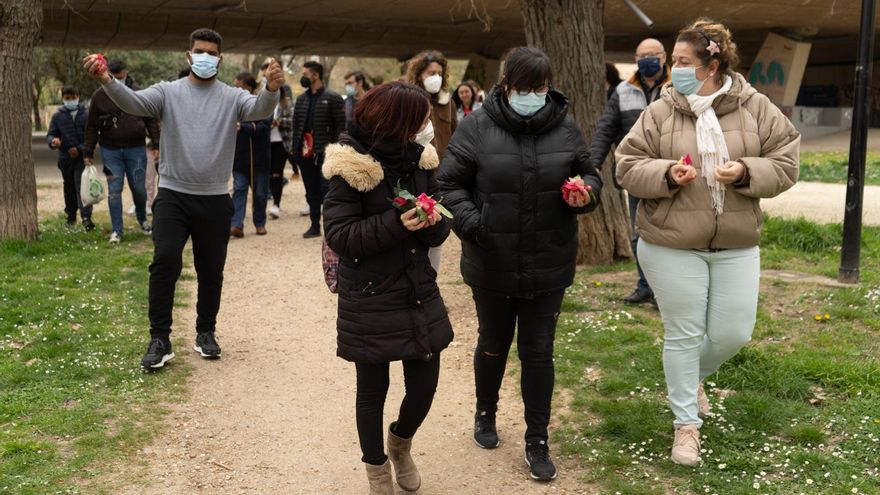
(404, 468)
(380, 479)
(703, 406)
(686, 447)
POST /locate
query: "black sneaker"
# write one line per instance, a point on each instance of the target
(638, 296)
(207, 345)
(538, 459)
(485, 434)
(158, 353)
(88, 224)
(314, 231)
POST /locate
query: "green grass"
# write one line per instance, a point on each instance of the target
(825, 166)
(797, 411)
(73, 324)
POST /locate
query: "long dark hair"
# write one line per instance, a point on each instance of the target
(526, 68)
(392, 111)
(457, 99)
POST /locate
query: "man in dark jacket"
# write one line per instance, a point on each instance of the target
(67, 134)
(251, 166)
(622, 111)
(318, 119)
(122, 138)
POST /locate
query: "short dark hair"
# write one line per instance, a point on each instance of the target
(116, 66)
(69, 90)
(394, 111)
(205, 34)
(526, 67)
(316, 68)
(359, 77)
(247, 79)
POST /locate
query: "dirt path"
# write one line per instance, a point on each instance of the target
(276, 414)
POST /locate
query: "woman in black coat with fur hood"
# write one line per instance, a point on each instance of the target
(390, 307)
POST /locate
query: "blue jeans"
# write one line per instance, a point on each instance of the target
(240, 184)
(642, 285)
(131, 163)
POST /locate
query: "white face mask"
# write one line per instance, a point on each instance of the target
(433, 83)
(425, 135)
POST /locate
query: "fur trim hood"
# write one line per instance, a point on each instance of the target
(361, 171)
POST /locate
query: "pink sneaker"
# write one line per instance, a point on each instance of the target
(686, 447)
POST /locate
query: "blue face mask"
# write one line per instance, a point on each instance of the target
(204, 65)
(649, 67)
(684, 80)
(71, 104)
(527, 104)
(350, 90)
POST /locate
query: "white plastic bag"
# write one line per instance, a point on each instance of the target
(91, 189)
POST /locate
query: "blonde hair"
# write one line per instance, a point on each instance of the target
(700, 33)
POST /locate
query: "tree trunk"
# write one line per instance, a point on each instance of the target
(20, 25)
(38, 92)
(572, 33)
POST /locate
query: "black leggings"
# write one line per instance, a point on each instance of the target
(536, 318)
(420, 379)
(276, 179)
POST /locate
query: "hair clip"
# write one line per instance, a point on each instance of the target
(713, 48)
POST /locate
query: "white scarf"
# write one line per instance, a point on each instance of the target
(710, 141)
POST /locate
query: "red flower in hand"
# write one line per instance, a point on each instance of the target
(426, 203)
(398, 201)
(101, 66)
(574, 184)
(686, 160)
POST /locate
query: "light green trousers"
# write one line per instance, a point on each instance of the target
(709, 303)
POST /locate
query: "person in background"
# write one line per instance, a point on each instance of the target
(612, 79)
(628, 100)
(465, 98)
(429, 70)
(198, 115)
(700, 220)
(123, 153)
(251, 166)
(356, 86)
(390, 307)
(281, 138)
(318, 119)
(481, 95)
(502, 179)
(67, 135)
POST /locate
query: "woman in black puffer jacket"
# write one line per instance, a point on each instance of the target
(501, 177)
(390, 307)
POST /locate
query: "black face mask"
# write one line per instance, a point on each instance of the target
(305, 82)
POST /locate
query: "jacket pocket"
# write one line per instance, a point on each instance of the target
(661, 213)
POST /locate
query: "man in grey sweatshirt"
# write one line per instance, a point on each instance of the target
(199, 116)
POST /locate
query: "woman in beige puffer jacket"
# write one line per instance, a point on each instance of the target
(700, 224)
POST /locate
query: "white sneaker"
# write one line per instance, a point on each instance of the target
(115, 238)
(132, 210)
(146, 228)
(305, 212)
(275, 212)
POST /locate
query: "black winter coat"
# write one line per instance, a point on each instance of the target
(253, 147)
(389, 303)
(71, 132)
(502, 177)
(328, 124)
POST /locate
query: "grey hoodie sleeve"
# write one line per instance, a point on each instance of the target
(144, 103)
(259, 107)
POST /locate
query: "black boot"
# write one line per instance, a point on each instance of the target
(314, 231)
